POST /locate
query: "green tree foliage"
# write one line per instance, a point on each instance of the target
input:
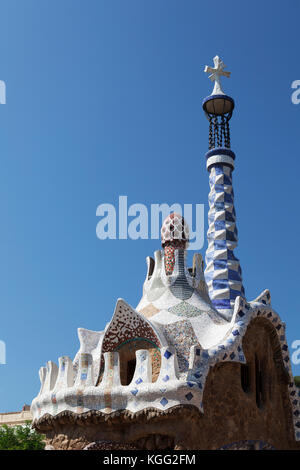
(297, 380)
(20, 438)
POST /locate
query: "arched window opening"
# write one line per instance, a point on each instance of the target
(245, 378)
(130, 371)
(127, 357)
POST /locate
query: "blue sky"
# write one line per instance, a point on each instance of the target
(104, 99)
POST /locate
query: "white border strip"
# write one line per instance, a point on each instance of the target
(219, 159)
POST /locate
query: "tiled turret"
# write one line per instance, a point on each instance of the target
(174, 236)
(223, 272)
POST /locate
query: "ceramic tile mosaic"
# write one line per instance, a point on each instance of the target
(174, 235)
(169, 254)
(126, 324)
(180, 288)
(223, 272)
(181, 335)
(149, 310)
(172, 386)
(185, 309)
(173, 228)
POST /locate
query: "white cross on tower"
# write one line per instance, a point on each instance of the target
(216, 72)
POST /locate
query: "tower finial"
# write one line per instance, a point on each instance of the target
(216, 72)
(218, 108)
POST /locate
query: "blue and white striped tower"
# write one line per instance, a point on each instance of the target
(223, 272)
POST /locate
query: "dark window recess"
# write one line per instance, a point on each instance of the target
(192, 272)
(245, 377)
(151, 267)
(258, 383)
(130, 370)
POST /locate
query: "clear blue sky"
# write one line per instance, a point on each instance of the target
(104, 99)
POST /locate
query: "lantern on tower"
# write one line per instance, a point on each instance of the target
(218, 108)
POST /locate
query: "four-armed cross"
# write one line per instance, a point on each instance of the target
(216, 72)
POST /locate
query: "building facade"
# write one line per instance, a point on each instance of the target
(196, 365)
(16, 418)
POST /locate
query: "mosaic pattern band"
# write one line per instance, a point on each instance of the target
(223, 272)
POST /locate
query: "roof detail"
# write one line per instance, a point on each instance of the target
(171, 388)
(173, 228)
(126, 324)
